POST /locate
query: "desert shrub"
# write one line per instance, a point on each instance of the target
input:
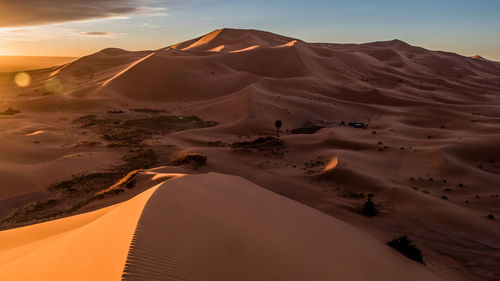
(148, 110)
(10, 111)
(405, 246)
(369, 209)
(270, 145)
(195, 159)
(346, 193)
(307, 130)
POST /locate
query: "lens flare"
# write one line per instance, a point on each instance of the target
(22, 79)
(54, 86)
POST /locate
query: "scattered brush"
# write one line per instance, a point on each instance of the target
(268, 145)
(149, 110)
(10, 111)
(195, 159)
(307, 130)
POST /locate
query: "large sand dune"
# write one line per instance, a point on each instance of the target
(428, 148)
(201, 227)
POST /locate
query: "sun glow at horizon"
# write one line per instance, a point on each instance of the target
(22, 79)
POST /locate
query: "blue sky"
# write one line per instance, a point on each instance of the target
(465, 27)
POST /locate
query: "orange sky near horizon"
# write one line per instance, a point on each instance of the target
(77, 28)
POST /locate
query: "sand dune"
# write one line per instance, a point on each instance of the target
(126, 69)
(91, 246)
(201, 227)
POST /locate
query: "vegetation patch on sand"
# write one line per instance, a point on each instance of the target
(307, 130)
(132, 132)
(314, 166)
(267, 145)
(10, 111)
(195, 159)
(70, 195)
(148, 110)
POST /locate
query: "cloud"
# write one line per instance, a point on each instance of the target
(51, 32)
(96, 33)
(17, 13)
(33, 34)
(101, 34)
(149, 25)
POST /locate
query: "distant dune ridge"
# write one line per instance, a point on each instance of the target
(23, 63)
(257, 207)
(238, 59)
(167, 74)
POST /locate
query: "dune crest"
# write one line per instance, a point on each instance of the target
(204, 40)
(35, 133)
(127, 69)
(217, 49)
(289, 44)
(249, 48)
(91, 246)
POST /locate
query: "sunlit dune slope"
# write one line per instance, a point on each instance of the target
(92, 246)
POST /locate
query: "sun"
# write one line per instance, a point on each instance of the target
(22, 79)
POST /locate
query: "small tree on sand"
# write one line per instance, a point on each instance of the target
(278, 124)
(369, 209)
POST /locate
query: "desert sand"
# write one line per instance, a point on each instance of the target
(427, 149)
(201, 227)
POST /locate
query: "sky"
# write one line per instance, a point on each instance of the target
(82, 27)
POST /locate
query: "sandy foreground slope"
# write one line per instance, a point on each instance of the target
(201, 227)
(428, 151)
(92, 246)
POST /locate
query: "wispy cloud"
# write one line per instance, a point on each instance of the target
(96, 33)
(149, 25)
(43, 12)
(102, 34)
(34, 34)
